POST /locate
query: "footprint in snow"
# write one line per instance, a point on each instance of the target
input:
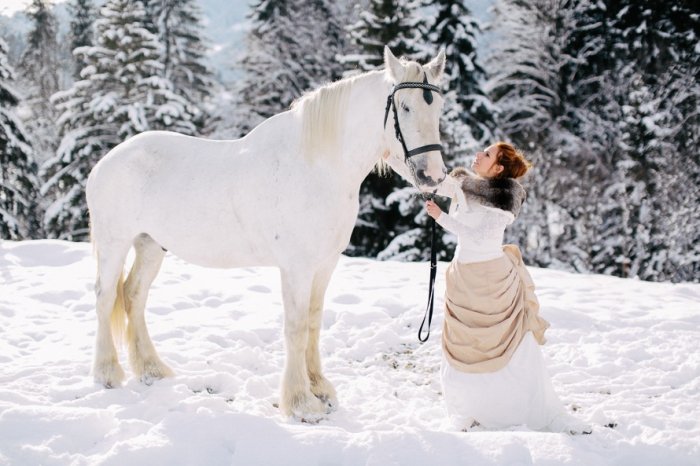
(259, 289)
(347, 299)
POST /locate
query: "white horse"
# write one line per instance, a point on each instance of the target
(285, 195)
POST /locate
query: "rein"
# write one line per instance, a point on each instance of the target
(391, 104)
(431, 285)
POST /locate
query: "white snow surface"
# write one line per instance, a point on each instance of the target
(623, 354)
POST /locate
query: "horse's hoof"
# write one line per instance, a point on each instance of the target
(331, 403)
(150, 371)
(324, 391)
(109, 374)
(306, 407)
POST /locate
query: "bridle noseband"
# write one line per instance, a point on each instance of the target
(428, 97)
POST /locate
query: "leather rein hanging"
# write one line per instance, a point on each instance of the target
(390, 103)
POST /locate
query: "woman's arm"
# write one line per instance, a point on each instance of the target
(491, 219)
(443, 219)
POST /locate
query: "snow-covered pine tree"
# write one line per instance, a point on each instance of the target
(524, 71)
(604, 185)
(468, 122)
(122, 93)
(678, 180)
(524, 82)
(551, 73)
(39, 62)
(659, 96)
(635, 174)
(39, 70)
(291, 48)
(384, 22)
(18, 182)
(81, 33)
(178, 25)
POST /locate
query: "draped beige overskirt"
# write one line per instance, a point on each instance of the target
(489, 307)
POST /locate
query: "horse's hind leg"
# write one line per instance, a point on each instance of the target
(143, 358)
(320, 386)
(110, 312)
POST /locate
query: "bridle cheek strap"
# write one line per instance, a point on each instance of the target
(427, 96)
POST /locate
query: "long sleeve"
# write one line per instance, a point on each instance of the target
(451, 224)
(479, 230)
(479, 225)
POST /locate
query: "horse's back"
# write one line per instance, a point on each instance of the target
(154, 147)
(148, 169)
(187, 192)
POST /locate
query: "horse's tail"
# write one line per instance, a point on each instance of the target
(118, 317)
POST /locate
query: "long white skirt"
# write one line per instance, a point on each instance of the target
(519, 394)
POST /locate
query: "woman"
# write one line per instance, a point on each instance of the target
(493, 372)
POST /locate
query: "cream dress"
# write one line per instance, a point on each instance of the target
(520, 393)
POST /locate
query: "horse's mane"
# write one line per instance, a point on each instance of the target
(322, 110)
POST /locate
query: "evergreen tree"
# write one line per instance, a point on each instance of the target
(468, 121)
(658, 93)
(39, 69)
(39, 62)
(81, 30)
(524, 83)
(385, 22)
(524, 66)
(18, 183)
(678, 179)
(122, 93)
(594, 90)
(290, 49)
(177, 23)
(552, 84)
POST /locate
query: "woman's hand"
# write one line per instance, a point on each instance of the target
(433, 209)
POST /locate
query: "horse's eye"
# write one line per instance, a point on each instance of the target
(405, 108)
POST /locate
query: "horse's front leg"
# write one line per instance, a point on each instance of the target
(297, 399)
(320, 386)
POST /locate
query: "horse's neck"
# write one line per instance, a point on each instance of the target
(362, 136)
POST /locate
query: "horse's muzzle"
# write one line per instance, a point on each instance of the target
(423, 179)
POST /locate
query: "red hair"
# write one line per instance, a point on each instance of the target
(513, 161)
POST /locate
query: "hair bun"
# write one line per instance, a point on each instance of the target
(514, 163)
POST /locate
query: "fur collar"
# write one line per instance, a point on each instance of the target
(502, 193)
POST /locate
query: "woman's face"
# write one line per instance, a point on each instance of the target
(485, 163)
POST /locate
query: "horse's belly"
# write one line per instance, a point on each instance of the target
(215, 258)
(213, 247)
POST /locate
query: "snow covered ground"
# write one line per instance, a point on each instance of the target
(623, 354)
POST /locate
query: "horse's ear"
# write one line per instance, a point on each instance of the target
(393, 65)
(436, 66)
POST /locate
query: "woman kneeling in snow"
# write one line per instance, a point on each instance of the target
(493, 373)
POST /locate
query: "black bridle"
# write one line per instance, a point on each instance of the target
(428, 89)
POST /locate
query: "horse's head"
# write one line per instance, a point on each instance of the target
(412, 121)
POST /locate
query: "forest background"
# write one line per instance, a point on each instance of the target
(601, 95)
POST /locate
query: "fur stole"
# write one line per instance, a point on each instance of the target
(502, 193)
